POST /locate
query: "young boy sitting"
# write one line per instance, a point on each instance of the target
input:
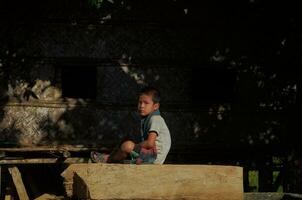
(155, 136)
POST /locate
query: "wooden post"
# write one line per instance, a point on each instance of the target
(8, 197)
(17, 179)
(0, 182)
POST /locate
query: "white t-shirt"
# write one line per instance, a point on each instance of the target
(163, 139)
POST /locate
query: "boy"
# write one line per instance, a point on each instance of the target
(155, 136)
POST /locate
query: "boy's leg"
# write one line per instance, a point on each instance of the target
(120, 154)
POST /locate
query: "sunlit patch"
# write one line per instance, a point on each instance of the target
(218, 57)
(219, 116)
(283, 42)
(196, 128)
(211, 111)
(260, 83)
(125, 69)
(273, 76)
(261, 104)
(106, 18)
(65, 127)
(135, 73)
(186, 11)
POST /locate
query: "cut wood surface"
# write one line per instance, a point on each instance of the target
(122, 181)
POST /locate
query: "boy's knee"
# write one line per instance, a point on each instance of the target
(127, 146)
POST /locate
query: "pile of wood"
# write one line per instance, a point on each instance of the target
(13, 159)
(86, 180)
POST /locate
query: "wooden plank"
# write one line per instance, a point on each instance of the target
(45, 161)
(75, 148)
(17, 179)
(118, 181)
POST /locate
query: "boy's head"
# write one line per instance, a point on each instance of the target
(148, 101)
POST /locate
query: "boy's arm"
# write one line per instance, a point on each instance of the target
(154, 128)
(149, 143)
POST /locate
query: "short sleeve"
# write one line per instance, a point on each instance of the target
(155, 124)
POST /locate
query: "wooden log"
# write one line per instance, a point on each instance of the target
(17, 179)
(118, 181)
(49, 197)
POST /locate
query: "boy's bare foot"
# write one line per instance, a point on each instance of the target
(99, 157)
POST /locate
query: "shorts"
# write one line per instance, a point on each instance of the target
(145, 156)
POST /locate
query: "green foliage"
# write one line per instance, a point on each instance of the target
(253, 180)
(96, 3)
(275, 175)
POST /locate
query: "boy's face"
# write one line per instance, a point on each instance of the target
(146, 105)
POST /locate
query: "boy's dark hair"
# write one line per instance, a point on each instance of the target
(149, 90)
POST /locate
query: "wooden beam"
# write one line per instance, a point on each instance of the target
(49, 197)
(75, 148)
(17, 179)
(116, 181)
(44, 161)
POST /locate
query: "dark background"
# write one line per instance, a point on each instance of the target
(228, 71)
